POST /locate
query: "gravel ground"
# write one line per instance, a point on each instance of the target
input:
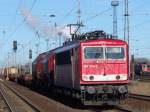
(138, 87)
(137, 105)
(142, 88)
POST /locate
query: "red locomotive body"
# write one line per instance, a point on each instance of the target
(95, 71)
(104, 61)
(38, 72)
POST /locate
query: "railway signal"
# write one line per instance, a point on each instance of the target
(30, 59)
(15, 45)
(30, 54)
(15, 49)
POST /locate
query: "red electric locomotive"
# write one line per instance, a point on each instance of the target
(93, 68)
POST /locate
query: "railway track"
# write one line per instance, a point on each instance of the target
(14, 102)
(135, 103)
(109, 109)
(139, 97)
(4, 106)
(129, 106)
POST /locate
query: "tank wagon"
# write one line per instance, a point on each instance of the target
(92, 67)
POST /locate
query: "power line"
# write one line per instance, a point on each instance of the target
(99, 14)
(67, 15)
(137, 25)
(15, 15)
(15, 30)
(142, 23)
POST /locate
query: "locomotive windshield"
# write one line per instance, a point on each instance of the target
(104, 53)
(93, 53)
(114, 52)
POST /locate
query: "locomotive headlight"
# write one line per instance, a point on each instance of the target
(85, 77)
(91, 77)
(121, 77)
(117, 77)
(88, 77)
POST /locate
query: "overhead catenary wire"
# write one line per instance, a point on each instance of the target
(68, 14)
(20, 24)
(98, 14)
(15, 15)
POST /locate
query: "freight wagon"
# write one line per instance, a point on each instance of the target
(11, 73)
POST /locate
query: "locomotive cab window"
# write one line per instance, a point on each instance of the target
(93, 53)
(63, 58)
(114, 52)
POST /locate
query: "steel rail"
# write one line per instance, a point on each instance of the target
(140, 97)
(112, 108)
(122, 109)
(5, 100)
(23, 98)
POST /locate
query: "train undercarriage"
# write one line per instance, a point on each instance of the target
(103, 94)
(90, 94)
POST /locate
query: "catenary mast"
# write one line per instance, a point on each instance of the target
(114, 4)
(126, 22)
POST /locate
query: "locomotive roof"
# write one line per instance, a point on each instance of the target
(95, 36)
(74, 44)
(77, 43)
(116, 41)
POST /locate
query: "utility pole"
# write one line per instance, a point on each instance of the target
(126, 35)
(47, 44)
(132, 67)
(7, 65)
(126, 22)
(78, 24)
(38, 44)
(37, 49)
(79, 16)
(30, 60)
(60, 34)
(15, 51)
(114, 4)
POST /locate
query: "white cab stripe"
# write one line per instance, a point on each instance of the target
(109, 77)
